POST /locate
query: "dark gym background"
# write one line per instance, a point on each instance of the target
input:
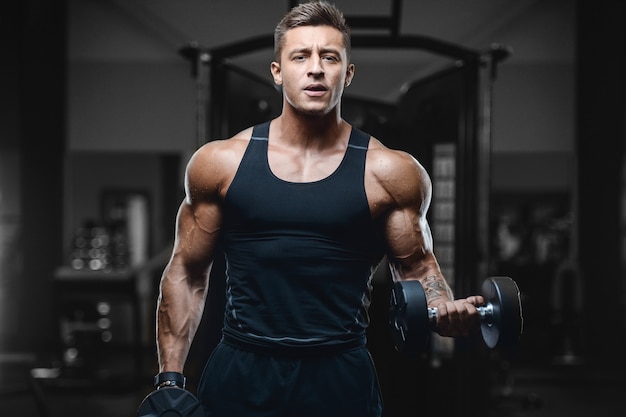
(100, 113)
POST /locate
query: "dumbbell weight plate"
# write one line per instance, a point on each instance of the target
(170, 402)
(408, 317)
(505, 327)
(410, 322)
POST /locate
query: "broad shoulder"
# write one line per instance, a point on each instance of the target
(221, 150)
(214, 164)
(396, 174)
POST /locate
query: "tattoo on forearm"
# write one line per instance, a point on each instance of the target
(436, 288)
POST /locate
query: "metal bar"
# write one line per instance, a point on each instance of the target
(370, 22)
(396, 13)
(427, 43)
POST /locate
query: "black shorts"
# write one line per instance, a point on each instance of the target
(241, 383)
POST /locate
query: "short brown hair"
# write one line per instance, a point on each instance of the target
(312, 13)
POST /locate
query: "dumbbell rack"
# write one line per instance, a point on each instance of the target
(99, 323)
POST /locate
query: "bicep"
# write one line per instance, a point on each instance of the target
(198, 223)
(197, 232)
(411, 257)
(409, 244)
(407, 232)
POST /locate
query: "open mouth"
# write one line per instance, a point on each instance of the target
(315, 89)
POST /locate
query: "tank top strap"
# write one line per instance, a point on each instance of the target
(358, 139)
(353, 165)
(261, 131)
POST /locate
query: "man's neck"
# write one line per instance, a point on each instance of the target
(309, 130)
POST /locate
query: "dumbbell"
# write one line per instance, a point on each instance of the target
(412, 321)
(170, 401)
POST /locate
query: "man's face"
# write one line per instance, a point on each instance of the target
(313, 69)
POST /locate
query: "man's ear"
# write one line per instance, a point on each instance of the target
(276, 74)
(350, 74)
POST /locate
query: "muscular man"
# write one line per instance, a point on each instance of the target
(305, 206)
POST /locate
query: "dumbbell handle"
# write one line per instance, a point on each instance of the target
(485, 312)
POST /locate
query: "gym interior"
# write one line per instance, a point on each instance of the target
(515, 107)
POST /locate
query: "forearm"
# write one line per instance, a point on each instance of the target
(185, 281)
(437, 289)
(426, 271)
(179, 311)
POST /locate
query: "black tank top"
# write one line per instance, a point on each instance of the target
(299, 256)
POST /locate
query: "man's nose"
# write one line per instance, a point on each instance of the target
(316, 69)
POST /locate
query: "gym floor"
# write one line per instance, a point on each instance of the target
(558, 391)
(554, 391)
